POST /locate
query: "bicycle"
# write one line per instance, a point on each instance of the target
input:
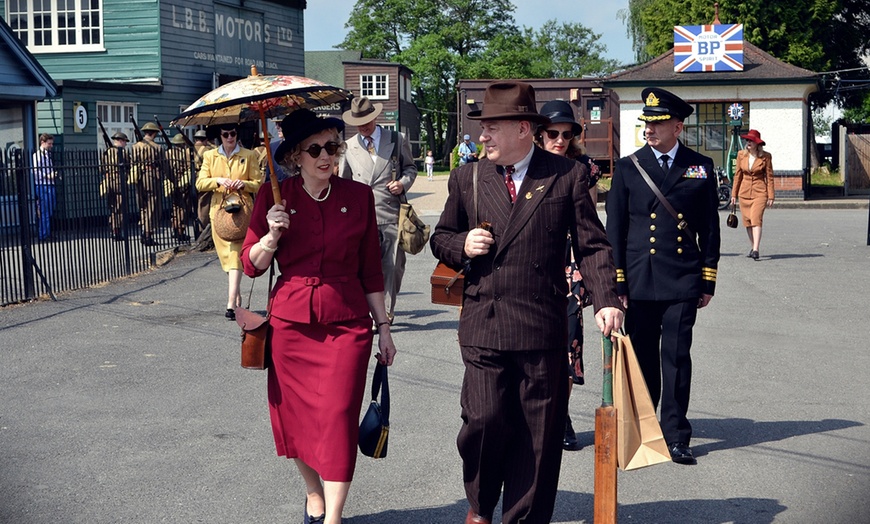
(724, 188)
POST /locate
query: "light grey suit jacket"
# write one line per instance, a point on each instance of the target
(357, 165)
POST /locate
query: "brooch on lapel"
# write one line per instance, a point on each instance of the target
(529, 195)
(539, 189)
(344, 210)
(696, 172)
(292, 211)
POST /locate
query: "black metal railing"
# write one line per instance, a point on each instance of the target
(112, 212)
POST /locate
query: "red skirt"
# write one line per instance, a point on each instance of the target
(316, 385)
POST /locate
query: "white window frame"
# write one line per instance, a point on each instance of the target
(376, 86)
(115, 117)
(33, 12)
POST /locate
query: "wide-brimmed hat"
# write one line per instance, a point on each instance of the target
(362, 111)
(754, 136)
(560, 112)
(201, 135)
(120, 136)
(301, 124)
(509, 101)
(150, 127)
(662, 105)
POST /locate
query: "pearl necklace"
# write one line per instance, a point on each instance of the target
(328, 190)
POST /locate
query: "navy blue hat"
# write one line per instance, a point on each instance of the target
(661, 105)
(560, 112)
(301, 124)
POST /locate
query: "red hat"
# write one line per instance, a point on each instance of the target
(755, 136)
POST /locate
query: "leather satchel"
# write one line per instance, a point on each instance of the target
(374, 429)
(731, 221)
(413, 232)
(255, 330)
(448, 285)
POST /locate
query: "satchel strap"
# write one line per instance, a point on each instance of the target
(379, 380)
(682, 225)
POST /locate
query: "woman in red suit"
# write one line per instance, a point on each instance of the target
(753, 185)
(324, 238)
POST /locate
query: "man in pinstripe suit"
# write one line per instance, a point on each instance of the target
(513, 330)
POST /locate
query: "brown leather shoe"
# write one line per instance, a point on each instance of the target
(474, 518)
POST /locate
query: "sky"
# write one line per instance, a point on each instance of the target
(325, 19)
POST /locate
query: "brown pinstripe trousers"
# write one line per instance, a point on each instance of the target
(513, 404)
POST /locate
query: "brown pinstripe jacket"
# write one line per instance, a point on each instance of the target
(516, 296)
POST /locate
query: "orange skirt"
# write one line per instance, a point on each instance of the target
(752, 210)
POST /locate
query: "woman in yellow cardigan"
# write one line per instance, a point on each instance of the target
(753, 186)
(230, 167)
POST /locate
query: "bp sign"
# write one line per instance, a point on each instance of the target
(708, 48)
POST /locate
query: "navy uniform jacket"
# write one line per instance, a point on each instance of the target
(655, 260)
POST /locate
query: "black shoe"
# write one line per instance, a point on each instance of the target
(308, 519)
(682, 454)
(148, 240)
(753, 255)
(749, 255)
(570, 442)
(230, 314)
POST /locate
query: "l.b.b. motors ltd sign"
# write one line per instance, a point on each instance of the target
(707, 48)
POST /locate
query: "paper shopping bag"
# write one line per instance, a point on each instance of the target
(639, 439)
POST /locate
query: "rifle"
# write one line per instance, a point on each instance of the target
(106, 139)
(136, 129)
(163, 133)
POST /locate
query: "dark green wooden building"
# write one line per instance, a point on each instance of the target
(116, 58)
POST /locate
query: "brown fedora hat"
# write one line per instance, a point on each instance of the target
(509, 101)
(362, 111)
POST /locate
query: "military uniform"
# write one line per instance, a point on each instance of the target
(662, 268)
(116, 169)
(149, 164)
(177, 186)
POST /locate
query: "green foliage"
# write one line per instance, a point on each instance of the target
(859, 114)
(819, 35)
(443, 41)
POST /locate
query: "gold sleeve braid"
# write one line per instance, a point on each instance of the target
(709, 273)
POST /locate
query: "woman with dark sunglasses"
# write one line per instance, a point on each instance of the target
(561, 137)
(324, 238)
(235, 170)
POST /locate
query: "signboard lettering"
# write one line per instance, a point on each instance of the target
(706, 48)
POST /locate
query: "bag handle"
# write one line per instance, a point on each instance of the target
(379, 379)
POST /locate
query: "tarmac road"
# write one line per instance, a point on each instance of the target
(126, 403)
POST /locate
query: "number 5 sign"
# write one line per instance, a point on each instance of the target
(80, 117)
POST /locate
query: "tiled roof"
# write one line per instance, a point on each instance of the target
(758, 68)
(327, 66)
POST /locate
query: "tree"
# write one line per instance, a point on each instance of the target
(442, 41)
(819, 35)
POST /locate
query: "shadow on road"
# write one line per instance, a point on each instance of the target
(572, 507)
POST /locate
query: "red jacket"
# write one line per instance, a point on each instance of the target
(328, 259)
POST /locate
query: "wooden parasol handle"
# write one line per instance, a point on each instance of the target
(273, 174)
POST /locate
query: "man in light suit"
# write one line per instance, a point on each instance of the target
(374, 158)
(665, 265)
(513, 329)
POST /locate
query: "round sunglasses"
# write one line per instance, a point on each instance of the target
(552, 134)
(229, 134)
(315, 149)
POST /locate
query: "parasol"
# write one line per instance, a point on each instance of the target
(259, 97)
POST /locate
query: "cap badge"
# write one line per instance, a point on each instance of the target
(652, 100)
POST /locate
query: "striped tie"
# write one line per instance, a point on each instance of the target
(370, 145)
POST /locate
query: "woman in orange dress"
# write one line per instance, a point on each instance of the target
(324, 239)
(753, 186)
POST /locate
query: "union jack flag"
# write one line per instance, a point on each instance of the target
(704, 48)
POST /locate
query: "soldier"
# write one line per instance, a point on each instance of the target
(116, 168)
(201, 144)
(663, 223)
(148, 168)
(177, 185)
(261, 154)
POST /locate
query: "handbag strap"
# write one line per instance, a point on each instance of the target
(379, 381)
(268, 293)
(682, 225)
